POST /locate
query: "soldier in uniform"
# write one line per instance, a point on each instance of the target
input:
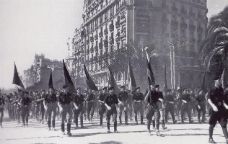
(123, 104)
(91, 104)
(78, 107)
(111, 101)
(2, 104)
(50, 103)
(201, 106)
(153, 98)
(25, 107)
(218, 108)
(169, 105)
(65, 107)
(186, 105)
(102, 107)
(138, 98)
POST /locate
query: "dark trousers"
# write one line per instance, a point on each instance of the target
(102, 110)
(1, 115)
(201, 112)
(153, 111)
(186, 108)
(25, 114)
(123, 108)
(78, 113)
(90, 109)
(51, 114)
(112, 112)
(138, 108)
(67, 110)
(169, 108)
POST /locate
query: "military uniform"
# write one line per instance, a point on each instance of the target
(201, 107)
(65, 101)
(51, 103)
(102, 107)
(111, 100)
(153, 108)
(186, 107)
(2, 103)
(169, 107)
(90, 105)
(79, 101)
(123, 106)
(138, 98)
(25, 108)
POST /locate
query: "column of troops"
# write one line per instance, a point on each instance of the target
(154, 105)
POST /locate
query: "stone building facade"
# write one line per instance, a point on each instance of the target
(113, 27)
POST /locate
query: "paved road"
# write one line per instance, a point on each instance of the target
(36, 133)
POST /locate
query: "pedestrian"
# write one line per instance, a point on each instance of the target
(170, 106)
(102, 107)
(91, 104)
(138, 98)
(186, 106)
(123, 104)
(25, 106)
(2, 104)
(201, 106)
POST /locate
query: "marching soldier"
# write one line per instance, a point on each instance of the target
(65, 107)
(138, 98)
(2, 104)
(153, 98)
(201, 106)
(123, 104)
(102, 107)
(186, 106)
(78, 107)
(169, 106)
(50, 103)
(25, 107)
(90, 105)
(111, 102)
(218, 108)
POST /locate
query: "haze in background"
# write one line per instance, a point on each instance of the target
(28, 27)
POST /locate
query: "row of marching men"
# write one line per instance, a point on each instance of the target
(52, 104)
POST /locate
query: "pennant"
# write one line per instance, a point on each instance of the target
(16, 79)
(132, 83)
(68, 81)
(150, 74)
(165, 78)
(89, 81)
(112, 81)
(50, 83)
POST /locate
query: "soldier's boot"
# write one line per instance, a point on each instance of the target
(136, 119)
(63, 128)
(81, 121)
(101, 120)
(108, 127)
(49, 125)
(69, 129)
(142, 120)
(76, 122)
(120, 119)
(115, 126)
(153, 123)
(163, 125)
(126, 118)
(53, 124)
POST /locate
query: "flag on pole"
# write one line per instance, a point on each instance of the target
(150, 74)
(89, 81)
(50, 82)
(112, 81)
(132, 83)
(68, 81)
(16, 79)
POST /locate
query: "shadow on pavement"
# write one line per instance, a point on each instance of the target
(108, 142)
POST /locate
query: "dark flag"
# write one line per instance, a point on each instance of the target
(165, 78)
(132, 83)
(16, 78)
(89, 81)
(150, 74)
(112, 81)
(50, 82)
(68, 81)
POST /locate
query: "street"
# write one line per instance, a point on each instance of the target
(36, 133)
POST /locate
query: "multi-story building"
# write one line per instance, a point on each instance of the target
(173, 28)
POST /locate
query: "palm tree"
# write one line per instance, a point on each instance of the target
(215, 47)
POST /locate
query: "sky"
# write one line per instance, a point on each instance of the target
(29, 27)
